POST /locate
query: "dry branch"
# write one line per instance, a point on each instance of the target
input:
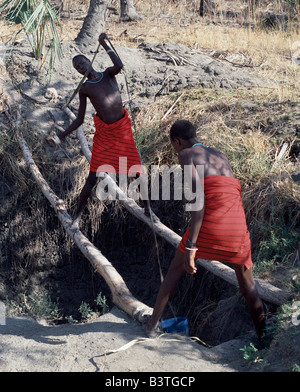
(172, 107)
(121, 296)
(267, 291)
(280, 155)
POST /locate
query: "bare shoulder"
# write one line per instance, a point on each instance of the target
(83, 89)
(111, 72)
(196, 156)
(185, 156)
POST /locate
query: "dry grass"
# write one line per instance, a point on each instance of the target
(179, 22)
(250, 130)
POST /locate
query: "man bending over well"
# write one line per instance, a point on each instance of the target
(218, 229)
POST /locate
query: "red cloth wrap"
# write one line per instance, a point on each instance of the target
(223, 235)
(114, 141)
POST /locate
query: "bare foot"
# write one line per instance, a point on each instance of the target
(152, 332)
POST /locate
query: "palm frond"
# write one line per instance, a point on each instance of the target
(39, 20)
(14, 8)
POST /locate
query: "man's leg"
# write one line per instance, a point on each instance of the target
(167, 288)
(249, 291)
(83, 197)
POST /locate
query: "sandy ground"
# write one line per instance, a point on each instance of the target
(28, 346)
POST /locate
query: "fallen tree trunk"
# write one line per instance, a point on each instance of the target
(267, 291)
(121, 296)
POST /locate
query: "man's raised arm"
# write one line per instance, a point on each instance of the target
(118, 65)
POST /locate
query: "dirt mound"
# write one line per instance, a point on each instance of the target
(152, 70)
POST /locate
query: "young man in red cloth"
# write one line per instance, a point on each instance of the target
(218, 229)
(113, 138)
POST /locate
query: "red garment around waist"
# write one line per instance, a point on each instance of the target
(223, 235)
(114, 149)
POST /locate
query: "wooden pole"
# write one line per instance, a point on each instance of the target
(121, 296)
(267, 291)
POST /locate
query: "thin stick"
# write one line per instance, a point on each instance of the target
(171, 108)
(280, 155)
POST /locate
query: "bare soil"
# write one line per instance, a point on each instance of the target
(28, 346)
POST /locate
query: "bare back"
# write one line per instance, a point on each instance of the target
(105, 97)
(215, 163)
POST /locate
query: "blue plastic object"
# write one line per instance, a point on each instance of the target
(175, 325)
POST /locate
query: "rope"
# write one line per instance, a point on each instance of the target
(135, 130)
(126, 83)
(175, 337)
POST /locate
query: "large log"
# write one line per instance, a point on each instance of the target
(121, 295)
(267, 291)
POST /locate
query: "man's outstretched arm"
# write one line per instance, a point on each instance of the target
(54, 140)
(196, 214)
(80, 118)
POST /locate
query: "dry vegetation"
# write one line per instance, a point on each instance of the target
(242, 37)
(250, 126)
